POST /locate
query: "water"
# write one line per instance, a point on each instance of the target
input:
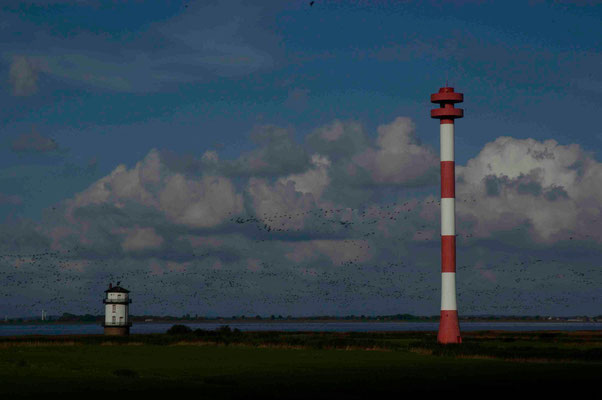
(151, 327)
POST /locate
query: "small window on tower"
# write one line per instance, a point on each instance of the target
(113, 307)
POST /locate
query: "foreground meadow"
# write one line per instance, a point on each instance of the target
(229, 364)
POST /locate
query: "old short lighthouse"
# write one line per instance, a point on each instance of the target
(117, 319)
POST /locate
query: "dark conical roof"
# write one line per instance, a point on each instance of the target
(116, 289)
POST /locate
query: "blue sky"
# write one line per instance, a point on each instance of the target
(112, 108)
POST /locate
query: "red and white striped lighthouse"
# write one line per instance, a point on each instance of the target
(449, 329)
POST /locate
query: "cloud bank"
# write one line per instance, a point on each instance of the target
(328, 226)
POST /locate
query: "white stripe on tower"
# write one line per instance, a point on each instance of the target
(447, 142)
(448, 291)
(449, 330)
(448, 217)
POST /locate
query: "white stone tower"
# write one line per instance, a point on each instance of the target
(117, 318)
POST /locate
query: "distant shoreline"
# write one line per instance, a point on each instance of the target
(292, 321)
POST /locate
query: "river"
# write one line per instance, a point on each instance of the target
(330, 326)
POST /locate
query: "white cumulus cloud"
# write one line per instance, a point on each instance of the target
(553, 187)
(313, 181)
(137, 239)
(399, 157)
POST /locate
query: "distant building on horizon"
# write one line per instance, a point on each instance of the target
(117, 318)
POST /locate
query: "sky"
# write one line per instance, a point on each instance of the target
(268, 157)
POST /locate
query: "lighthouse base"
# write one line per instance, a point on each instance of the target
(449, 329)
(117, 330)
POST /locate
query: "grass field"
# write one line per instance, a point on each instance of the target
(298, 365)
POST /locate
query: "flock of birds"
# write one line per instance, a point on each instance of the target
(332, 222)
(74, 280)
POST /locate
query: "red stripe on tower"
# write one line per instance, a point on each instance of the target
(448, 253)
(449, 329)
(448, 184)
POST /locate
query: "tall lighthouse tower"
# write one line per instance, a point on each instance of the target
(117, 319)
(449, 329)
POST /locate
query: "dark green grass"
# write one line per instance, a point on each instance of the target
(295, 365)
